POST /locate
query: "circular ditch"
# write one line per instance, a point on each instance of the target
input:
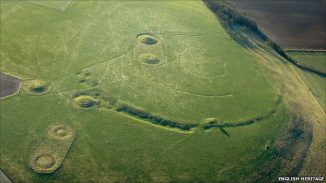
(85, 101)
(61, 132)
(44, 163)
(147, 39)
(36, 87)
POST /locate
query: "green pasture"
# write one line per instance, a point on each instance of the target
(92, 48)
(58, 4)
(313, 60)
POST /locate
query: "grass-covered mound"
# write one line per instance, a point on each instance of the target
(51, 150)
(85, 101)
(36, 87)
(149, 58)
(147, 39)
(61, 132)
(45, 162)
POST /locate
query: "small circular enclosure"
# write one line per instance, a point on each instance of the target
(147, 39)
(44, 162)
(36, 87)
(85, 101)
(149, 58)
(61, 132)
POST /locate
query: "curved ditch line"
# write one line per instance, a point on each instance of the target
(221, 125)
(152, 118)
(189, 92)
(213, 75)
(141, 115)
(160, 121)
(198, 73)
(155, 125)
(193, 93)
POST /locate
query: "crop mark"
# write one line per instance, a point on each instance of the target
(192, 93)
(199, 68)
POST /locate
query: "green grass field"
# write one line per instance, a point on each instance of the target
(313, 60)
(316, 83)
(192, 71)
(58, 4)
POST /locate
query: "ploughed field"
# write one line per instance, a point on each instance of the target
(131, 91)
(291, 24)
(9, 85)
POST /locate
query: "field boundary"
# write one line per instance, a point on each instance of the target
(303, 50)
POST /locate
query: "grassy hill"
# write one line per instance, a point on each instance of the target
(185, 103)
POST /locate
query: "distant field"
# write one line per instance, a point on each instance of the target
(313, 60)
(316, 61)
(156, 92)
(291, 23)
